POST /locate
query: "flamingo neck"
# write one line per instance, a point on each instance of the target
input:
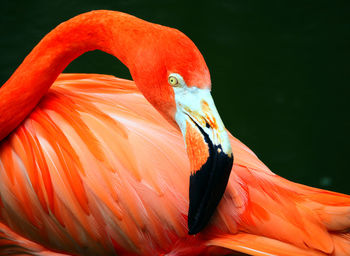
(116, 33)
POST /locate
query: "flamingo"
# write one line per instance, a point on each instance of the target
(97, 165)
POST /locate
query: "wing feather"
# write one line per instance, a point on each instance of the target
(96, 169)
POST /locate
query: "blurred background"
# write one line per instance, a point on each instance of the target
(280, 70)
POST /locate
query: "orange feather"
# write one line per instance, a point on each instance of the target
(140, 208)
(95, 169)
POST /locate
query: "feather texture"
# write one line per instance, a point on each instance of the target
(96, 170)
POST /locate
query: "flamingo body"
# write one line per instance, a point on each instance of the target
(95, 169)
(69, 185)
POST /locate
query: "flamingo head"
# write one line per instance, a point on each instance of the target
(173, 76)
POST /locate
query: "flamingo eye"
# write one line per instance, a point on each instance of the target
(173, 81)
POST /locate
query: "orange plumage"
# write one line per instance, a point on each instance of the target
(95, 169)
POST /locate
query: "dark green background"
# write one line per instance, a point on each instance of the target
(280, 70)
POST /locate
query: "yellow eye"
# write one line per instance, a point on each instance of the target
(173, 81)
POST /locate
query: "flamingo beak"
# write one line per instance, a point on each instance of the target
(209, 151)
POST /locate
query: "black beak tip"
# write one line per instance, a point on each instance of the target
(192, 230)
(207, 187)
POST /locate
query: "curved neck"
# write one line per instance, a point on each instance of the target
(116, 33)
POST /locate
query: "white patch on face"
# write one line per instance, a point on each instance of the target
(189, 102)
